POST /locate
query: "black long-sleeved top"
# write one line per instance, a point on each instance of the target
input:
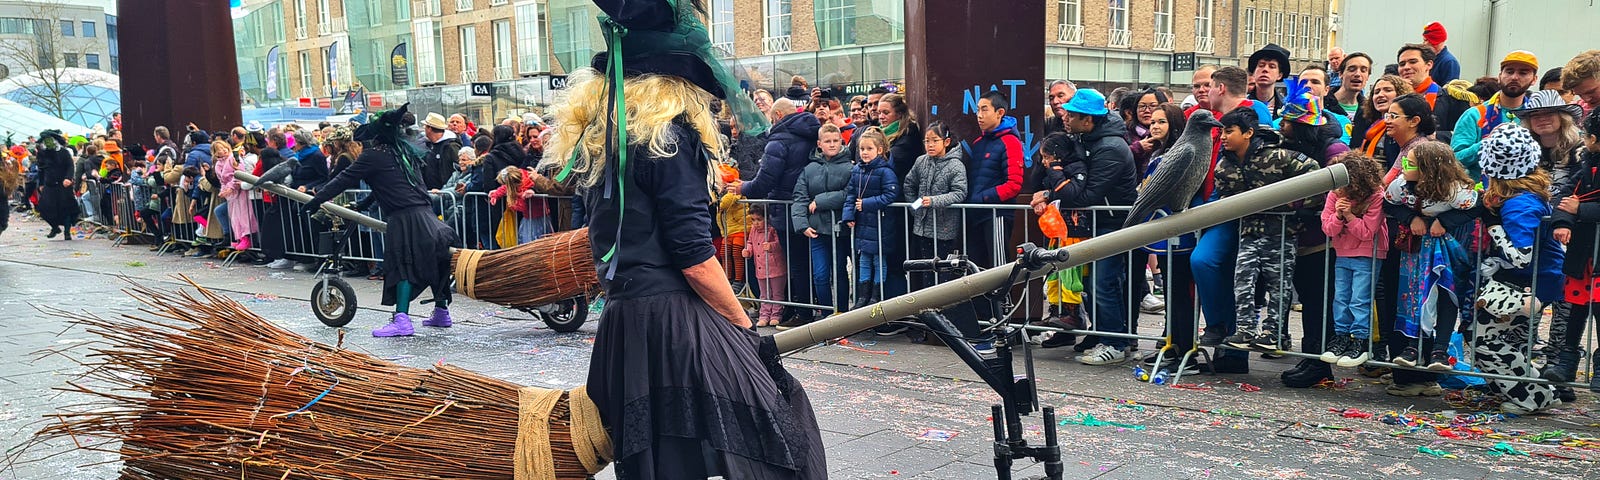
(379, 168)
(667, 225)
(313, 171)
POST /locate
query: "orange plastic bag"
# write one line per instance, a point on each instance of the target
(1051, 223)
(729, 174)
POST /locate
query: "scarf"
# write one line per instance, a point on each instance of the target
(892, 131)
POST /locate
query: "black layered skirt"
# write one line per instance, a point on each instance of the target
(416, 249)
(685, 395)
(57, 205)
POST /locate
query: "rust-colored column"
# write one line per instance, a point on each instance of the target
(177, 66)
(958, 49)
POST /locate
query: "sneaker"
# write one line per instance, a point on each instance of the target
(440, 318)
(1241, 339)
(983, 348)
(1407, 358)
(1439, 361)
(280, 264)
(1425, 389)
(1355, 353)
(399, 326)
(1335, 348)
(1212, 338)
(890, 329)
(791, 322)
(1102, 355)
(1088, 342)
(1267, 341)
(1057, 340)
(305, 267)
(1152, 304)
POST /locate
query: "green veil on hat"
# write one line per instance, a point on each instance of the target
(666, 37)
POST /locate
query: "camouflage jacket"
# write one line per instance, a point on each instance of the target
(1266, 164)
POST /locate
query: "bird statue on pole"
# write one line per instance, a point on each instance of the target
(280, 172)
(1180, 171)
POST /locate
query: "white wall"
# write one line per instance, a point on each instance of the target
(1481, 31)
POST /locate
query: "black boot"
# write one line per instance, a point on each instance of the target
(1298, 367)
(1315, 372)
(54, 230)
(865, 295)
(1564, 368)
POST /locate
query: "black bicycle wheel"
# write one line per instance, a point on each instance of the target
(566, 315)
(335, 306)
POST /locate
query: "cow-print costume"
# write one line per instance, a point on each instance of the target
(1500, 332)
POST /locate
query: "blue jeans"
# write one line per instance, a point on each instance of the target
(1352, 296)
(870, 268)
(221, 215)
(1213, 264)
(828, 255)
(1116, 296)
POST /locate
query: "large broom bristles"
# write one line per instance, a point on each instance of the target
(199, 387)
(557, 267)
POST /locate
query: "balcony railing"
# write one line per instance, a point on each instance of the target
(1204, 44)
(495, 3)
(324, 28)
(1164, 42)
(1120, 38)
(339, 24)
(502, 73)
(463, 5)
(722, 49)
(779, 44)
(305, 92)
(300, 32)
(469, 75)
(1072, 34)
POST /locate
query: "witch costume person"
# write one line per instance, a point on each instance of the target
(416, 250)
(57, 204)
(684, 387)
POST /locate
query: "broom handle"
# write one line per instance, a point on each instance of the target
(1099, 247)
(282, 191)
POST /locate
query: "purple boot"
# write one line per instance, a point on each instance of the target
(440, 318)
(400, 326)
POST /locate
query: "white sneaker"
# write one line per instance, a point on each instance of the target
(280, 264)
(1152, 304)
(1102, 355)
(305, 267)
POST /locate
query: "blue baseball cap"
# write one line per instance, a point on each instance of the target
(1087, 101)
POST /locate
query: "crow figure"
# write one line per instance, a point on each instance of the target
(1181, 171)
(280, 172)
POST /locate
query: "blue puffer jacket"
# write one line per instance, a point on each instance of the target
(197, 155)
(994, 165)
(877, 187)
(789, 146)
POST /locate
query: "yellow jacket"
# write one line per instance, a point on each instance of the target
(732, 215)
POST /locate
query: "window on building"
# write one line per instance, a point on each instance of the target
(1291, 41)
(277, 23)
(67, 28)
(722, 27)
(111, 42)
(1164, 37)
(778, 26)
(1305, 35)
(374, 12)
(427, 61)
(1277, 27)
(1120, 36)
(402, 10)
(1069, 21)
(1263, 28)
(305, 73)
(1203, 41)
(569, 28)
(836, 23)
(300, 19)
(324, 16)
(70, 60)
(89, 30)
(16, 26)
(463, 5)
(1249, 27)
(528, 44)
(502, 49)
(1316, 32)
(91, 61)
(468, 40)
(257, 25)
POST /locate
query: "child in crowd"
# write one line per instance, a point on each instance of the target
(1520, 256)
(1576, 220)
(1063, 166)
(817, 213)
(761, 246)
(872, 187)
(936, 181)
(518, 187)
(1266, 241)
(1431, 184)
(1352, 217)
(731, 214)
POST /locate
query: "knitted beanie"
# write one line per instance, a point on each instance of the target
(1434, 33)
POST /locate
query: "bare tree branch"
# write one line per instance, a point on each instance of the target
(43, 76)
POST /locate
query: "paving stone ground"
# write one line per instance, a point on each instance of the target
(872, 406)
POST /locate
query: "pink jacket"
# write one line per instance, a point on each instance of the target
(1356, 238)
(762, 246)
